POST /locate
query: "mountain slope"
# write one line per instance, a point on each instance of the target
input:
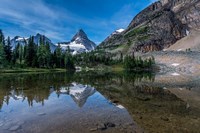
(112, 38)
(192, 42)
(22, 41)
(157, 27)
(79, 43)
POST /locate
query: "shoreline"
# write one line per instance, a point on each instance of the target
(30, 70)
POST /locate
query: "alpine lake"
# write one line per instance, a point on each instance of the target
(107, 102)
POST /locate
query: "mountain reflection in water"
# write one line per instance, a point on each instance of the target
(85, 102)
(78, 92)
(57, 103)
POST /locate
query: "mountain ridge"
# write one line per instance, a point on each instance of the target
(36, 39)
(80, 38)
(157, 27)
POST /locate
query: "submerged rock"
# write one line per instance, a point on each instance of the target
(164, 118)
(102, 127)
(143, 98)
(93, 129)
(105, 126)
(109, 124)
(41, 114)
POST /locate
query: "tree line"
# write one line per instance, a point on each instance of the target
(33, 55)
(40, 56)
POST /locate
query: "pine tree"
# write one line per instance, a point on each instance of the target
(48, 55)
(21, 53)
(8, 50)
(2, 53)
(41, 53)
(30, 53)
(69, 62)
(59, 56)
(2, 39)
(15, 54)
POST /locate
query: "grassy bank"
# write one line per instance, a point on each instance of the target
(116, 68)
(111, 68)
(27, 70)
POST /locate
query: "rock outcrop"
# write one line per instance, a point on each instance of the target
(158, 26)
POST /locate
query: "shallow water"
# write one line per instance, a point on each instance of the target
(96, 102)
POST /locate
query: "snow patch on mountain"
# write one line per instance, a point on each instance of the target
(24, 40)
(80, 43)
(19, 40)
(118, 31)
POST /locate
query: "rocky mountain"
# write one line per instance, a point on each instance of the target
(18, 40)
(157, 27)
(22, 41)
(80, 43)
(46, 40)
(116, 34)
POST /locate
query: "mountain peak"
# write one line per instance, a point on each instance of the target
(81, 31)
(38, 34)
(80, 43)
(80, 34)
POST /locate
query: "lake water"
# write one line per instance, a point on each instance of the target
(98, 102)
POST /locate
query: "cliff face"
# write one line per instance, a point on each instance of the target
(158, 26)
(187, 11)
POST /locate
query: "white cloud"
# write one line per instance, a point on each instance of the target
(33, 16)
(57, 23)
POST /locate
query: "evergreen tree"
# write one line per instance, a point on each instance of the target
(8, 50)
(30, 53)
(59, 56)
(131, 63)
(48, 55)
(21, 53)
(41, 53)
(15, 54)
(2, 39)
(2, 53)
(69, 63)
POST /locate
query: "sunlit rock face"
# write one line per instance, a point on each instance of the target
(164, 2)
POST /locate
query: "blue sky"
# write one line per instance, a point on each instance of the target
(59, 20)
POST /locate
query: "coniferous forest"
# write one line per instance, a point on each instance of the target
(32, 55)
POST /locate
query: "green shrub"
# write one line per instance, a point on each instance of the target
(137, 31)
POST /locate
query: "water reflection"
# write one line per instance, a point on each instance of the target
(58, 102)
(84, 102)
(78, 92)
(38, 87)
